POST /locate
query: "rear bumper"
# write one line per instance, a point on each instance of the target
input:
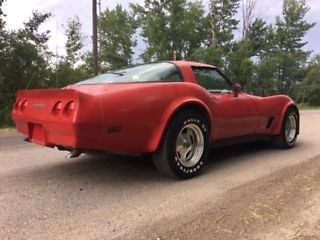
(52, 118)
(50, 134)
(64, 136)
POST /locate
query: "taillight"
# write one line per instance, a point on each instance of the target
(23, 105)
(17, 104)
(57, 108)
(69, 109)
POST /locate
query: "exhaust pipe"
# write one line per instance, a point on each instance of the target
(74, 153)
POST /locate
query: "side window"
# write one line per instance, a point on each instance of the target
(211, 79)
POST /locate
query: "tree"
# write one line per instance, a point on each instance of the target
(170, 29)
(258, 36)
(248, 53)
(64, 74)
(152, 19)
(69, 69)
(241, 66)
(260, 40)
(2, 23)
(265, 78)
(220, 25)
(248, 15)
(222, 22)
(286, 49)
(30, 56)
(193, 31)
(309, 89)
(3, 41)
(75, 40)
(26, 62)
(289, 36)
(117, 28)
(185, 30)
(4, 49)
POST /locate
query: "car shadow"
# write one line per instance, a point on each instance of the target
(226, 156)
(99, 169)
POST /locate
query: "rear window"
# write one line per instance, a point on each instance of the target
(154, 72)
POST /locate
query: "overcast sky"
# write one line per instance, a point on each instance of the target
(19, 11)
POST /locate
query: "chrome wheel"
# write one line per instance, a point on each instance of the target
(291, 128)
(189, 145)
(184, 148)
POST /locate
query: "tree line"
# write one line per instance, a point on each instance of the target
(264, 58)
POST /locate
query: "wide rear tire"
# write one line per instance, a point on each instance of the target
(184, 147)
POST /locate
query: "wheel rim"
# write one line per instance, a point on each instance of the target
(291, 128)
(190, 145)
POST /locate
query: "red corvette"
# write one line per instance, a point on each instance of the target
(172, 110)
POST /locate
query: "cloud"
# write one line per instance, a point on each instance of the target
(269, 10)
(314, 5)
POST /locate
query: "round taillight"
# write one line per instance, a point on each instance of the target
(57, 107)
(23, 105)
(69, 108)
(17, 104)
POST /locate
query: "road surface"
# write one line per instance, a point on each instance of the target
(43, 195)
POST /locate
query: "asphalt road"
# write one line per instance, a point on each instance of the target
(46, 196)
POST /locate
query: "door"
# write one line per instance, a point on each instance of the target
(233, 116)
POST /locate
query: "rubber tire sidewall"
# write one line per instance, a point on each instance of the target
(167, 150)
(281, 140)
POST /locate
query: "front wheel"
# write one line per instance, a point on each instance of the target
(289, 130)
(184, 147)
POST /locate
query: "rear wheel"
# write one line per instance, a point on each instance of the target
(184, 148)
(289, 130)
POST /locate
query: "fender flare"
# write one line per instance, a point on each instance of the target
(168, 115)
(278, 125)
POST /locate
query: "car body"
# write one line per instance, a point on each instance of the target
(129, 111)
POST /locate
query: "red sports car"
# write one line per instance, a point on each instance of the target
(173, 110)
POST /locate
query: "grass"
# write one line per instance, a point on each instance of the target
(7, 128)
(306, 106)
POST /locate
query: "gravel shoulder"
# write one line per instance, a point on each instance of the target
(283, 205)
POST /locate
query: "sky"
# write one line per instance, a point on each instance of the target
(19, 11)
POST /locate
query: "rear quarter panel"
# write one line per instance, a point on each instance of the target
(142, 111)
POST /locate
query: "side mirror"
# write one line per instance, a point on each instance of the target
(236, 89)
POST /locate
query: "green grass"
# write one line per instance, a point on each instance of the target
(306, 106)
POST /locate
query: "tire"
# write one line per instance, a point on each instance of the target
(184, 147)
(289, 130)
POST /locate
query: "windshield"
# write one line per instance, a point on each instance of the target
(154, 72)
